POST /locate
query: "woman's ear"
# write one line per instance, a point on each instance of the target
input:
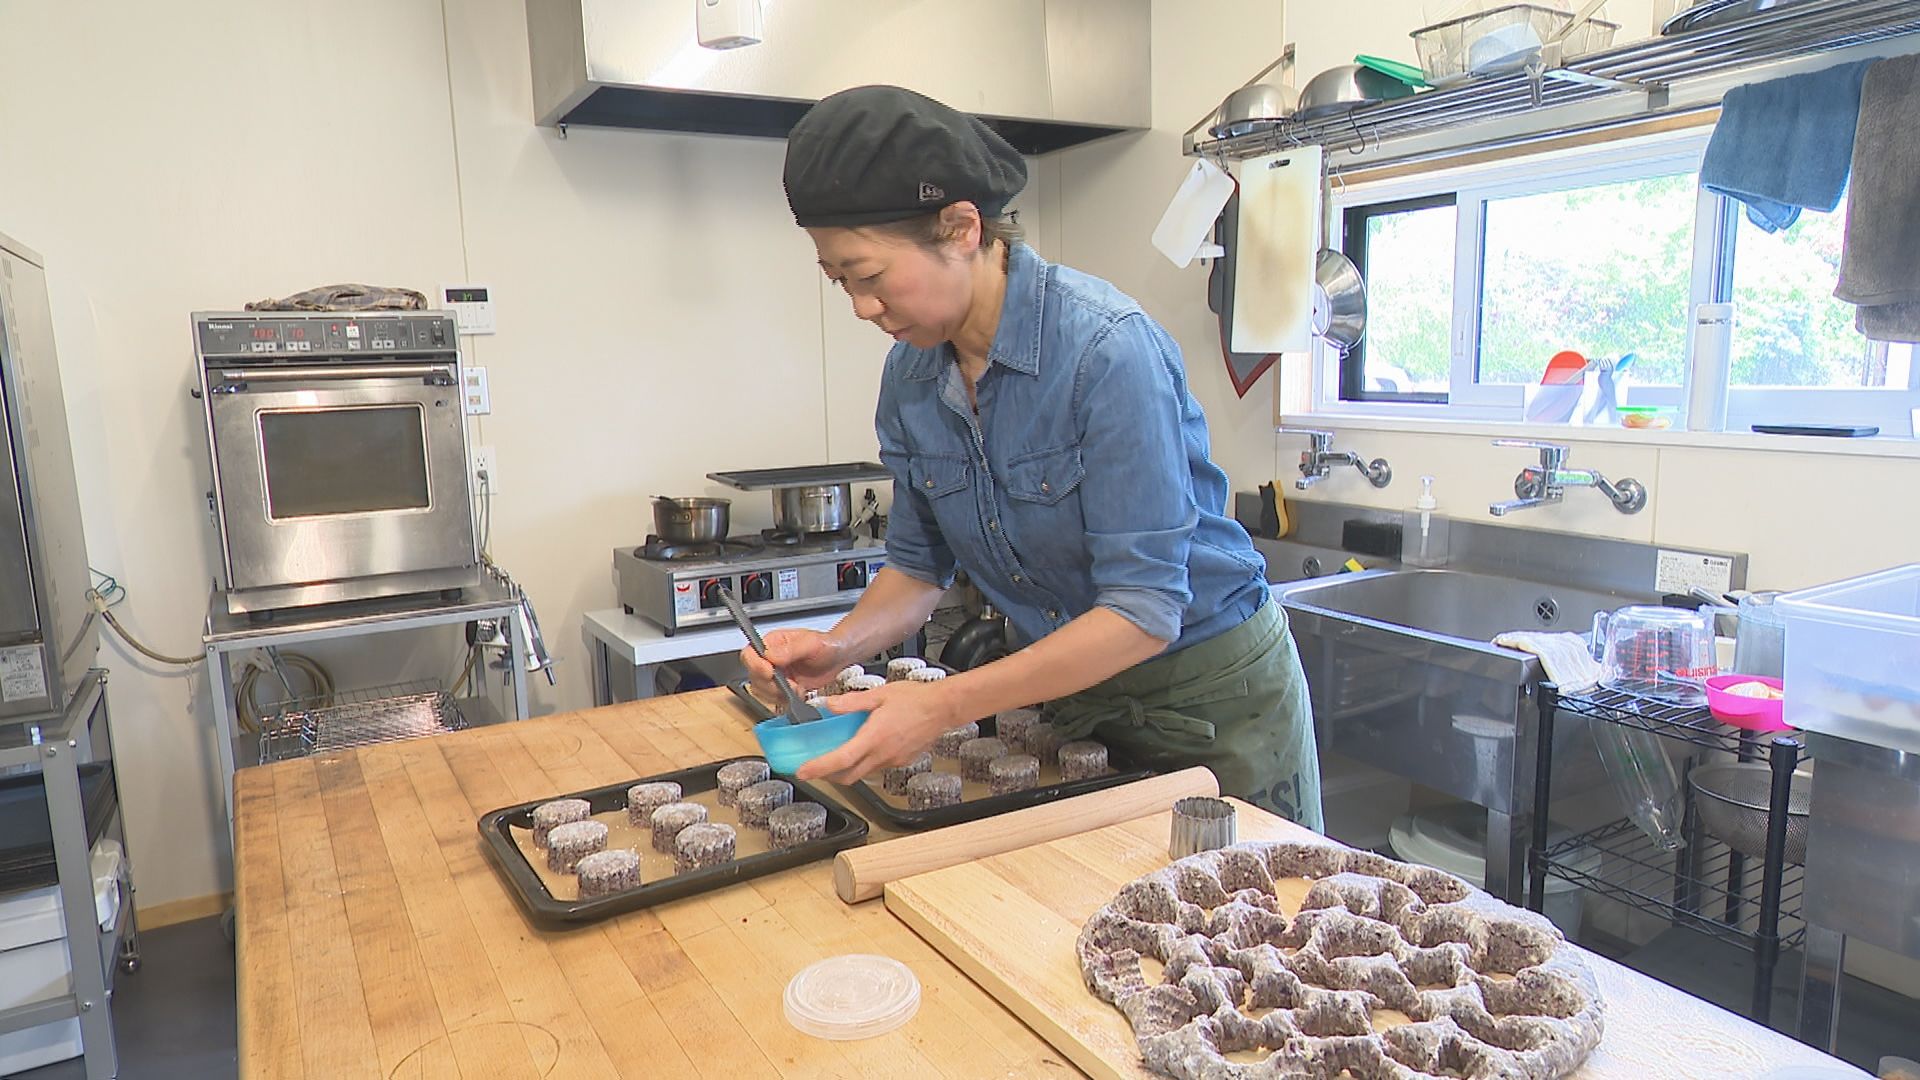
(960, 227)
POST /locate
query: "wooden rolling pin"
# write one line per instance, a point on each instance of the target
(862, 873)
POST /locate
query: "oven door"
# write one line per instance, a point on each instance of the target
(335, 473)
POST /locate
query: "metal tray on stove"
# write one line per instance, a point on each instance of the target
(876, 808)
(844, 830)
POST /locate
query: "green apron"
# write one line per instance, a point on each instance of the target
(1236, 703)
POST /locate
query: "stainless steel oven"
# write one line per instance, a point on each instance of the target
(48, 638)
(339, 452)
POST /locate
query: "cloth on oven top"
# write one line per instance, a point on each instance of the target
(347, 297)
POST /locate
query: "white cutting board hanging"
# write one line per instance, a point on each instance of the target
(1274, 251)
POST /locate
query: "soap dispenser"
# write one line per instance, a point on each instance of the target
(1423, 532)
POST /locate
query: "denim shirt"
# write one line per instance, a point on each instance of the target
(1085, 480)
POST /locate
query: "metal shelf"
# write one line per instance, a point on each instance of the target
(1647, 68)
(1691, 724)
(1705, 886)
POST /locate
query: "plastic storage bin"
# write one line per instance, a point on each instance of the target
(1500, 40)
(1853, 658)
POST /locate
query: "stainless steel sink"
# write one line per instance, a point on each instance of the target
(1471, 609)
(1405, 677)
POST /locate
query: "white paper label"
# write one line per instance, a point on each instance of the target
(787, 584)
(21, 676)
(1677, 572)
(686, 599)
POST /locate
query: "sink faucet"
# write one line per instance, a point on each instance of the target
(1547, 482)
(1318, 460)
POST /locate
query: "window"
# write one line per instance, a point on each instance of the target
(1404, 252)
(1601, 269)
(1476, 278)
(1789, 330)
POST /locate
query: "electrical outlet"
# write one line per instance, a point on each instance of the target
(483, 462)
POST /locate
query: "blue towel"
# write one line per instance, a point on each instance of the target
(1784, 145)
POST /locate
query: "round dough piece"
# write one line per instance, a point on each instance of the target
(668, 820)
(930, 791)
(569, 843)
(558, 812)
(644, 799)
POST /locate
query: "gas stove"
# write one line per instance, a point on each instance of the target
(677, 586)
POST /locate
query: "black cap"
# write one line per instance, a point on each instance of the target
(875, 154)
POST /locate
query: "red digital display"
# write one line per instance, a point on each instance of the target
(263, 333)
(296, 333)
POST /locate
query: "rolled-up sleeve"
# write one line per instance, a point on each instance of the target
(1137, 494)
(915, 545)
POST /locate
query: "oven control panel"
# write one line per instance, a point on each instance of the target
(299, 336)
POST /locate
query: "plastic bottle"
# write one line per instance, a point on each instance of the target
(1423, 532)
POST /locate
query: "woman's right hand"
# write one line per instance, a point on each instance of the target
(808, 658)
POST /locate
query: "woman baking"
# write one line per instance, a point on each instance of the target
(1041, 436)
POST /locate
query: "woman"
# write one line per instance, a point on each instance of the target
(1040, 434)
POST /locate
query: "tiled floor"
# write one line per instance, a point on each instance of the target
(174, 1019)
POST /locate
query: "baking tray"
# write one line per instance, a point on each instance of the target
(498, 829)
(847, 472)
(26, 831)
(873, 802)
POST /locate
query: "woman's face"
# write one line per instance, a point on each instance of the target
(912, 294)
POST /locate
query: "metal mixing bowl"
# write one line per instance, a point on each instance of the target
(1733, 800)
(1344, 88)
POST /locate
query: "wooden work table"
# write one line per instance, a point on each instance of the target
(376, 940)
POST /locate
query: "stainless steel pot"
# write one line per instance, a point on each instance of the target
(813, 508)
(691, 521)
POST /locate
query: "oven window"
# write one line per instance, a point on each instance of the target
(344, 461)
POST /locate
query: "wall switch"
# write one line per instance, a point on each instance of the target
(483, 462)
(473, 390)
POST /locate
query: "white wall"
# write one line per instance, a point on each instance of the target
(1103, 200)
(659, 314)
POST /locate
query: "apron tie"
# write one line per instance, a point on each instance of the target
(1076, 716)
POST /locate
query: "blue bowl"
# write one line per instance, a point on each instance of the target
(788, 745)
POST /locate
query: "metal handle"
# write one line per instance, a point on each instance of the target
(354, 371)
(1552, 455)
(797, 708)
(1321, 439)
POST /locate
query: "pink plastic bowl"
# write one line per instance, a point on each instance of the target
(1753, 714)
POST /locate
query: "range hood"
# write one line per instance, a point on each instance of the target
(1047, 74)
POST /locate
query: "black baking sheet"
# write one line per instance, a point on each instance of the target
(844, 830)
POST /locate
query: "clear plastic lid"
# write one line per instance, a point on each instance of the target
(852, 997)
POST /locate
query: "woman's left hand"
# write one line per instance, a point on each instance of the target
(904, 719)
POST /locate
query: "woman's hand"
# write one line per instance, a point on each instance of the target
(808, 658)
(905, 717)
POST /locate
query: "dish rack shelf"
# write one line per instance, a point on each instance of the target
(1705, 885)
(1641, 73)
(306, 726)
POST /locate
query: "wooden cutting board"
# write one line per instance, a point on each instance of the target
(1010, 922)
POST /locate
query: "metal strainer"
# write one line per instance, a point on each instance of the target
(1733, 804)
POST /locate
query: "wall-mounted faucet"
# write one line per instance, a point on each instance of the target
(1547, 482)
(1318, 460)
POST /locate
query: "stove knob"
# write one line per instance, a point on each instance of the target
(853, 575)
(755, 588)
(710, 593)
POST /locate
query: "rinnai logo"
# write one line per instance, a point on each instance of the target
(931, 192)
(220, 326)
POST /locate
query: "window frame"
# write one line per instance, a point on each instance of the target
(1470, 188)
(1353, 244)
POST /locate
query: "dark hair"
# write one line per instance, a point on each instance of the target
(928, 232)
